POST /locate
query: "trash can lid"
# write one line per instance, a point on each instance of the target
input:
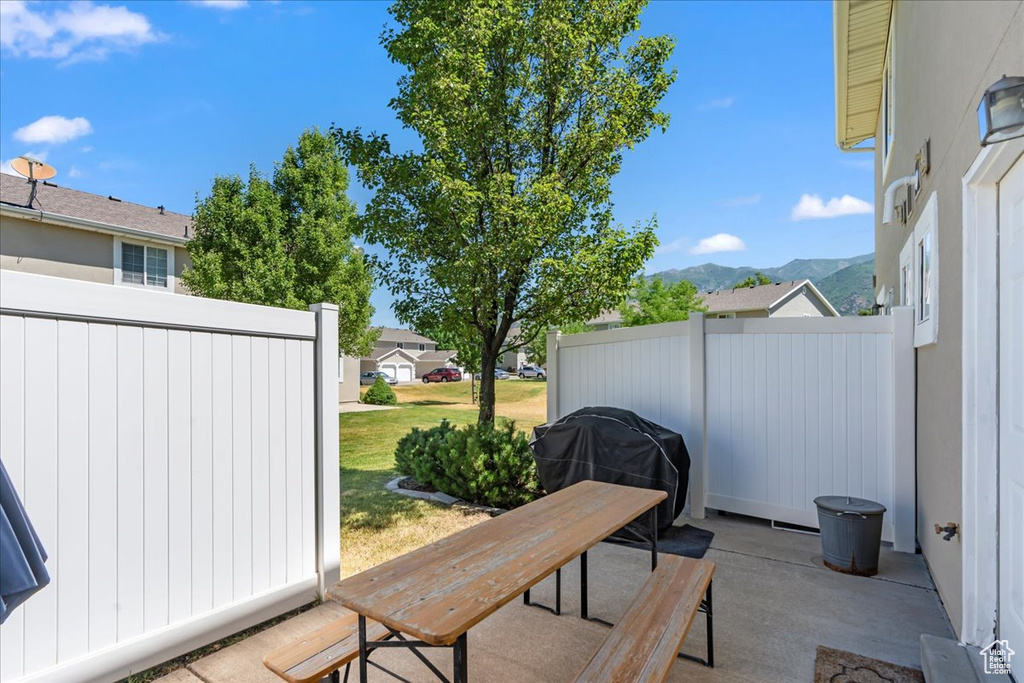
(848, 504)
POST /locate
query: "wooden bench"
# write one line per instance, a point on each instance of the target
(645, 642)
(323, 651)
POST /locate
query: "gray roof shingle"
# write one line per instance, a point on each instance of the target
(748, 298)
(15, 191)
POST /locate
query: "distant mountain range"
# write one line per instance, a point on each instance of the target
(846, 283)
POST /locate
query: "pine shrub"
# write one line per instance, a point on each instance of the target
(380, 394)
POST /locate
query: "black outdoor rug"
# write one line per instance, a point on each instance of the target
(686, 540)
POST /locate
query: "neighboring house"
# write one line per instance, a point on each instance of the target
(82, 236)
(513, 360)
(405, 355)
(795, 299)
(909, 79)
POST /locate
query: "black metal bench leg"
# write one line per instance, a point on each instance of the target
(711, 630)
(461, 660)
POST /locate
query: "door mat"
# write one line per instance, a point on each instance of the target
(839, 666)
(686, 540)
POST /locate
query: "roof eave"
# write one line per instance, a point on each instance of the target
(85, 224)
(865, 22)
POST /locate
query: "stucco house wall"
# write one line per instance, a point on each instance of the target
(944, 58)
(34, 247)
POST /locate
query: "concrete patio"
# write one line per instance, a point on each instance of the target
(774, 603)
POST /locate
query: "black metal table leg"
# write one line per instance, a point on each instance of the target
(583, 584)
(362, 649)
(461, 660)
(654, 539)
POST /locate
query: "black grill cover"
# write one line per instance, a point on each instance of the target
(616, 446)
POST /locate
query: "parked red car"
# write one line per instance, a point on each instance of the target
(443, 375)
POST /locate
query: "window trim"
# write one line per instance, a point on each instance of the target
(146, 244)
(926, 330)
(887, 105)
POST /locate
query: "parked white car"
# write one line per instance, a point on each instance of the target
(532, 371)
(368, 378)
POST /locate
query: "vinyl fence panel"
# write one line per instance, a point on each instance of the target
(775, 412)
(166, 451)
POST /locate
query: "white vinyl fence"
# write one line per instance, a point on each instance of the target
(178, 459)
(774, 411)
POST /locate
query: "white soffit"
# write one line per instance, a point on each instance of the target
(861, 31)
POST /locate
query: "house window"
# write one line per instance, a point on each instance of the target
(423, 347)
(907, 273)
(888, 97)
(399, 345)
(144, 265)
(923, 289)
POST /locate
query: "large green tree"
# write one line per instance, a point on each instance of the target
(502, 216)
(755, 280)
(286, 241)
(653, 301)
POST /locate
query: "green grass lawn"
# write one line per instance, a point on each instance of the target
(377, 525)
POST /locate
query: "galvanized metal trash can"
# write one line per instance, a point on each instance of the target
(851, 533)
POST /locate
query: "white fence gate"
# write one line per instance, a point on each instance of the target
(178, 458)
(774, 411)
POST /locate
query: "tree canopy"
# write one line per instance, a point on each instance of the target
(286, 241)
(754, 280)
(655, 301)
(503, 217)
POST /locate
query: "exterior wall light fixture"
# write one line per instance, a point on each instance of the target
(1001, 112)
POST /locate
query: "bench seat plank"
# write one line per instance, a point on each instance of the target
(643, 644)
(320, 652)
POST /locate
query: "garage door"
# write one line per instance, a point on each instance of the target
(389, 370)
(404, 373)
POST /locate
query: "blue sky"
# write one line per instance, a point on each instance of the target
(148, 101)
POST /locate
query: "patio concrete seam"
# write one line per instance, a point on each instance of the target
(204, 679)
(805, 566)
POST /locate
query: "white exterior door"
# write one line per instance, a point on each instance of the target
(404, 373)
(1011, 408)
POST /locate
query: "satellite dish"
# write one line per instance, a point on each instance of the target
(33, 169)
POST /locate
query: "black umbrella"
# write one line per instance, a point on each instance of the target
(22, 571)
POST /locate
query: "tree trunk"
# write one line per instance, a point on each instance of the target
(487, 363)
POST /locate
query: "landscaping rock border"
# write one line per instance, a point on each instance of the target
(440, 497)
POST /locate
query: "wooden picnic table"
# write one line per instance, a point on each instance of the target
(438, 592)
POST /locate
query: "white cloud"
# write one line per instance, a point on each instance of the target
(720, 242)
(721, 103)
(86, 149)
(672, 247)
(73, 172)
(221, 4)
(811, 206)
(53, 130)
(748, 200)
(81, 31)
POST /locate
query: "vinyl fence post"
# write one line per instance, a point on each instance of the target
(552, 372)
(698, 440)
(328, 487)
(904, 446)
